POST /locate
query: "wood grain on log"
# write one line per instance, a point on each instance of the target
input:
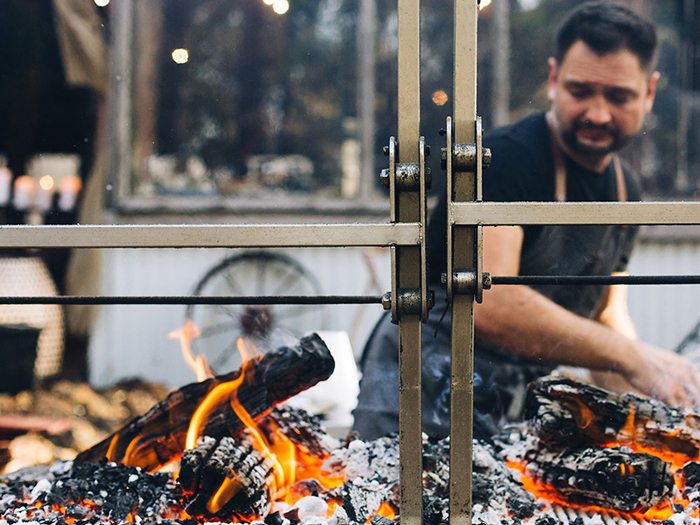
(614, 478)
(566, 413)
(158, 437)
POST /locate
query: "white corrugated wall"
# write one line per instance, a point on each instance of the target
(132, 340)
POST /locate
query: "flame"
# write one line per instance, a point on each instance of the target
(289, 460)
(549, 493)
(198, 363)
(387, 510)
(631, 436)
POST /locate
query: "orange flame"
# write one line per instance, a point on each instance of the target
(277, 448)
(387, 510)
(198, 363)
(547, 492)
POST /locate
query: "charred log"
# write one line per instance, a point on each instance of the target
(158, 437)
(302, 428)
(614, 478)
(226, 479)
(563, 412)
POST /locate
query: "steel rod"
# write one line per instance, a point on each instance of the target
(191, 299)
(532, 213)
(211, 236)
(596, 279)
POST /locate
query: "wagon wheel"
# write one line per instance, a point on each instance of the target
(255, 273)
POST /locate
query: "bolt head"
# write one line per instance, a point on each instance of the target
(386, 301)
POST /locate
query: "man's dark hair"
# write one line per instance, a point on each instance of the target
(607, 27)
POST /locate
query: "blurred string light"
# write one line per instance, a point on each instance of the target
(278, 6)
(101, 3)
(180, 55)
(46, 182)
(439, 97)
(483, 4)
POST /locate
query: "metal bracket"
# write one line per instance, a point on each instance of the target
(466, 157)
(465, 282)
(410, 301)
(400, 177)
(408, 176)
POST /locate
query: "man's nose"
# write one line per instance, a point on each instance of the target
(598, 112)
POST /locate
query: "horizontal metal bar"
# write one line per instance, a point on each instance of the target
(529, 213)
(192, 299)
(596, 279)
(211, 236)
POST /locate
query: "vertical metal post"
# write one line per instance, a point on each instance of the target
(463, 238)
(408, 261)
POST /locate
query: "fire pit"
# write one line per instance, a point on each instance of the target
(226, 450)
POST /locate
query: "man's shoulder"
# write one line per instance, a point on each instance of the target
(632, 182)
(520, 161)
(528, 132)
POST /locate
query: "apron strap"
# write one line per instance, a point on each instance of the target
(560, 167)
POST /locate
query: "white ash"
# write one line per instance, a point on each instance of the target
(378, 460)
(311, 509)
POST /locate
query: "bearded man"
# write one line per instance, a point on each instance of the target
(601, 84)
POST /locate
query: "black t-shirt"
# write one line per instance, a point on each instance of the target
(522, 169)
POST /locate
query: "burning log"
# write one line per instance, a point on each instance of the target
(228, 479)
(563, 412)
(159, 436)
(614, 478)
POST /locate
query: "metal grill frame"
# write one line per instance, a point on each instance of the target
(405, 235)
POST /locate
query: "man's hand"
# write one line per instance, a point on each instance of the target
(665, 376)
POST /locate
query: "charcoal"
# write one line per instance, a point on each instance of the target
(292, 515)
(193, 460)
(90, 493)
(691, 474)
(158, 437)
(302, 428)
(228, 459)
(614, 478)
(546, 520)
(276, 518)
(381, 520)
(566, 413)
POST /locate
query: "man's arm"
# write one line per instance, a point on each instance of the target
(532, 326)
(613, 312)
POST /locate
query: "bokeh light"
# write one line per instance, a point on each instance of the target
(180, 55)
(440, 98)
(101, 3)
(46, 182)
(280, 6)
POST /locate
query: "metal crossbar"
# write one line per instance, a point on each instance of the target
(212, 236)
(531, 213)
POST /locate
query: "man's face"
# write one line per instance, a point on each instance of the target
(599, 100)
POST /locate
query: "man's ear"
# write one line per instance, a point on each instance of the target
(552, 78)
(651, 91)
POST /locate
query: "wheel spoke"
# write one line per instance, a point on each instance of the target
(260, 270)
(233, 283)
(216, 329)
(284, 284)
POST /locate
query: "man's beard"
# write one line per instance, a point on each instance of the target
(569, 137)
